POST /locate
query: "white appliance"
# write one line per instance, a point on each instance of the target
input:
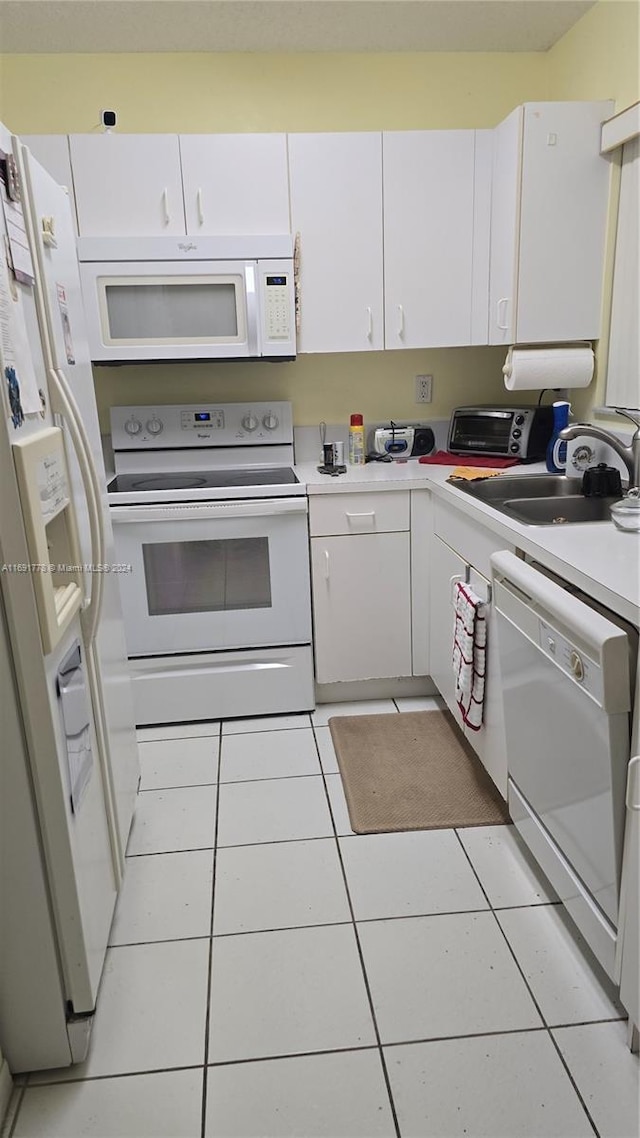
(69, 761)
(168, 298)
(566, 666)
(212, 520)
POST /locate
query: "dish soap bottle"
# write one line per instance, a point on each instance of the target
(556, 457)
(356, 440)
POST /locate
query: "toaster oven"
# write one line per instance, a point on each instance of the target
(503, 432)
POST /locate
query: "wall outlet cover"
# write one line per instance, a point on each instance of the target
(424, 388)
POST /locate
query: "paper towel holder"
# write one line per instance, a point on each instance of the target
(536, 364)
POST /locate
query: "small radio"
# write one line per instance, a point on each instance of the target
(403, 440)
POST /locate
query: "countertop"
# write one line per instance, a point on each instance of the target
(594, 556)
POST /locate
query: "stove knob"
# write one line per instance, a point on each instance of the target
(249, 422)
(271, 421)
(154, 426)
(133, 426)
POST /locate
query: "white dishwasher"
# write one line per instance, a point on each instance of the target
(566, 666)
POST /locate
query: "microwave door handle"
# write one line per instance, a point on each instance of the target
(253, 338)
(199, 206)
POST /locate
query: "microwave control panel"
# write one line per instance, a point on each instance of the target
(277, 306)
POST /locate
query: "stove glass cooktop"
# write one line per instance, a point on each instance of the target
(202, 480)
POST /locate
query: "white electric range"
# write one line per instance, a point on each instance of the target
(212, 521)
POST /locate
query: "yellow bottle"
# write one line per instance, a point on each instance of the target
(356, 440)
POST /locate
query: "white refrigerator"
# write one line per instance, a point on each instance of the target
(68, 754)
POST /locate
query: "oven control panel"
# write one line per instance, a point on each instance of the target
(201, 425)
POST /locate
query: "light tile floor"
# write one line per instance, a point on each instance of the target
(273, 974)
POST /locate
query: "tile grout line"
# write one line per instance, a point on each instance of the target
(530, 990)
(321, 1051)
(203, 1120)
(383, 1061)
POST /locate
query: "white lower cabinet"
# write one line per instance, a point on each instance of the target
(448, 565)
(362, 608)
(361, 580)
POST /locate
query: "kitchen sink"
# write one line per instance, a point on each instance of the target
(560, 510)
(539, 499)
(526, 486)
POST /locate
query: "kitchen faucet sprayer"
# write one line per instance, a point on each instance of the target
(630, 455)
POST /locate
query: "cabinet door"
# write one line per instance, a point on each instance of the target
(428, 179)
(563, 216)
(489, 742)
(235, 184)
(447, 567)
(127, 184)
(336, 207)
(52, 152)
(505, 220)
(361, 606)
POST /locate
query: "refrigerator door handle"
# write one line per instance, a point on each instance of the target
(93, 604)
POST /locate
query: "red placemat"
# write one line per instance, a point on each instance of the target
(445, 458)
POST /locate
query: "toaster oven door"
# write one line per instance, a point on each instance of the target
(481, 432)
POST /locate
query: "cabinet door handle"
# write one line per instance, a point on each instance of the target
(165, 206)
(631, 805)
(361, 521)
(199, 206)
(326, 564)
(369, 323)
(400, 320)
(503, 300)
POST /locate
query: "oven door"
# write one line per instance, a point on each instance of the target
(154, 310)
(214, 576)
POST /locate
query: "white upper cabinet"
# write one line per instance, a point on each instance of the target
(548, 222)
(127, 184)
(336, 207)
(235, 183)
(52, 152)
(429, 208)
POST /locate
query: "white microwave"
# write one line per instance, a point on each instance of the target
(183, 298)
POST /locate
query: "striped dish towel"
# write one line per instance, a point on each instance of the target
(469, 654)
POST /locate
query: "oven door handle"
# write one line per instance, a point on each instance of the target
(271, 507)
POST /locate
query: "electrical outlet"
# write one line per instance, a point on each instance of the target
(424, 387)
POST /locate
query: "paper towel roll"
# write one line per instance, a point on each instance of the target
(528, 369)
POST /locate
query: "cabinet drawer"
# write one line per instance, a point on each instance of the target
(471, 540)
(336, 514)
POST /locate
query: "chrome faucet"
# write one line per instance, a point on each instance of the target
(630, 455)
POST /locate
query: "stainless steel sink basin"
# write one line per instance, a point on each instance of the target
(526, 486)
(539, 499)
(559, 510)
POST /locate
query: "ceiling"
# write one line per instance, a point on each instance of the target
(33, 26)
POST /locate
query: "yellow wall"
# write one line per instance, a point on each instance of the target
(48, 94)
(380, 385)
(253, 92)
(600, 57)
